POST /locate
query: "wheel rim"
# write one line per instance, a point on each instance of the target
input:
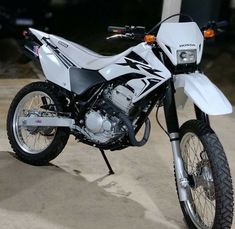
(32, 140)
(201, 206)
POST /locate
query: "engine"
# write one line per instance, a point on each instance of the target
(102, 127)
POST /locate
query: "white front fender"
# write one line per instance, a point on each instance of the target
(202, 92)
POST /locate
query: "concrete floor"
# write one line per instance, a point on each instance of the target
(75, 191)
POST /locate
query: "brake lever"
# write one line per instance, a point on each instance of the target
(117, 36)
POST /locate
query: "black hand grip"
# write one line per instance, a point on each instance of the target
(117, 29)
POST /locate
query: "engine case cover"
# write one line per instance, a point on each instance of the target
(97, 123)
(94, 122)
(101, 128)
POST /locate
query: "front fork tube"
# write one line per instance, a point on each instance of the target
(173, 130)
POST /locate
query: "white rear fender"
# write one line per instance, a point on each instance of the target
(202, 92)
(39, 34)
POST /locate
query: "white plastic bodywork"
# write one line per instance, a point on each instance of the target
(158, 74)
(180, 36)
(202, 92)
(56, 64)
(39, 34)
(53, 69)
(81, 56)
(151, 71)
(143, 50)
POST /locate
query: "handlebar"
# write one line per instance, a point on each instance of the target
(128, 32)
(138, 32)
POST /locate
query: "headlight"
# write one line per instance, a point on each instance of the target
(186, 56)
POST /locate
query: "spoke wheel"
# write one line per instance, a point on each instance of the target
(32, 139)
(36, 145)
(210, 192)
(201, 207)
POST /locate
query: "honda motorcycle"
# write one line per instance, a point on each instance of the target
(105, 100)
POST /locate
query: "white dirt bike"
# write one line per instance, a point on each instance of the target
(104, 101)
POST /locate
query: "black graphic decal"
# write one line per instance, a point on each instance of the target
(152, 82)
(61, 59)
(67, 63)
(152, 71)
(132, 63)
(168, 48)
(135, 56)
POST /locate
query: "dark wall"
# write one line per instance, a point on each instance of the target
(210, 10)
(83, 21)
(87, 21)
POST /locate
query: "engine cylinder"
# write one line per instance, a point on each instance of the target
(122, 98)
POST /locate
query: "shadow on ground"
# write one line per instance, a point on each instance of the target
(60, 200)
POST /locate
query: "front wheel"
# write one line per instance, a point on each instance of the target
(210, 192)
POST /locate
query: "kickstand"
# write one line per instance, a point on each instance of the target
(107, 162)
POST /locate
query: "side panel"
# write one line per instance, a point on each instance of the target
(54, 69)
(203, 93)
(143, 62)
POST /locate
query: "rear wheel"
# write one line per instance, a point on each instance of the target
(210, 203)
(36, 145)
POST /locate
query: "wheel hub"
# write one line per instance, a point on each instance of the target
(204, 178)
(33, 129)
(45, 131)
